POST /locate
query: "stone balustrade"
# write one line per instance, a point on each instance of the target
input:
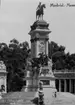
(65, 80)
(64, 71)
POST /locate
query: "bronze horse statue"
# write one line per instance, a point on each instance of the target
(40, 11)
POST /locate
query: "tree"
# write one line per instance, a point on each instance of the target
(14, 58)
(57, 53)
(17, 55)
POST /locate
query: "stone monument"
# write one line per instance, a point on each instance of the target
(39, 44)
(3, 78)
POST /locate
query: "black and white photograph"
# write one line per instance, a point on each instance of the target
(37, 53)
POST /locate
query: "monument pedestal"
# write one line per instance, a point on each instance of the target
(46, 76)
(31, 82)
(39, 44)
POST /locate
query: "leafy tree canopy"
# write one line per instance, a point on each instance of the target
(61, 60)
(14, 57)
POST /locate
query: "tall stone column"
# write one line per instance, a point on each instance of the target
(65, 84)
(59, 85)
(46, 50)
(70, 84)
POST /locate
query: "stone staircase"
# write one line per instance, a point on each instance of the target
(18, 98)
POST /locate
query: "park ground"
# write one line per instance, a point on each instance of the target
(24, 98)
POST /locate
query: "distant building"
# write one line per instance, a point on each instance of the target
(65, 80)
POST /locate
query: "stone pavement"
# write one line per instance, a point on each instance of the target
(63, 98)
(24, 98)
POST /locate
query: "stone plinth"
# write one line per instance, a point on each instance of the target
(46, 76)
(3, 78)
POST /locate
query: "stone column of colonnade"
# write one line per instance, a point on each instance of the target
(65, 85)
(71, 85)
(74, 86)
(59, 85)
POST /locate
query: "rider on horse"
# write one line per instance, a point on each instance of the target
(39, 6)
(39, 10)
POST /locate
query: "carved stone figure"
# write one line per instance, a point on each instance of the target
(2, 65)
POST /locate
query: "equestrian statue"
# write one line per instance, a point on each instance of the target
(40, 11)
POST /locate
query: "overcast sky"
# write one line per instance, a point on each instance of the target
(16, 16)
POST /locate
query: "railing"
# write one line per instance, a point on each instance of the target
(44, 75)
(64, 71)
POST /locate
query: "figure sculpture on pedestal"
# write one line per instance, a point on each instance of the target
(40, 11)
